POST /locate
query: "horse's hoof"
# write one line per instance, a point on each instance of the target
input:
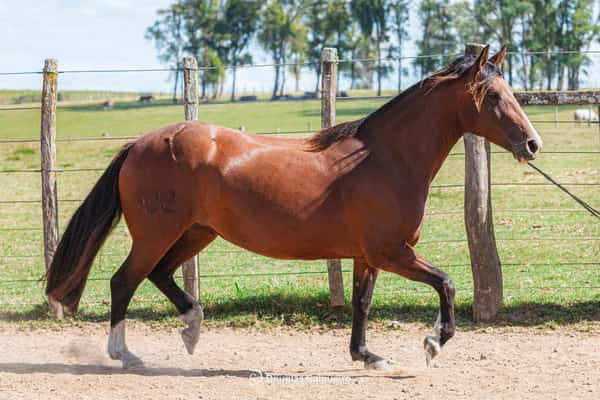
(432, 348)
(191, 334)
(131, 361)
(190, 337)
(379, 365)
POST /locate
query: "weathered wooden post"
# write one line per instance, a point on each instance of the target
(48, 162)
(328, 91)
(556, 116)
(485, 263)
(191, 282)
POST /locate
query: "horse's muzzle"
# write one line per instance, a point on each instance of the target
(526, 150)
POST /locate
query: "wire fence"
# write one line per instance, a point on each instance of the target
(581, 265)
(290, 64)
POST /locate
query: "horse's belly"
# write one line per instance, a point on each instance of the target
(275, 247)
(270, 228)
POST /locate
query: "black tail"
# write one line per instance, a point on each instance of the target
(88, 229)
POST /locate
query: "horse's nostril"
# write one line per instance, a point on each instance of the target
(532, 146)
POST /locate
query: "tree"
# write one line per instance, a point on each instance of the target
(438, 35)
(582, 30)
(499, 20)
(544, 41)
(400, 10)
(339, 22)
(356, 43)
(372, 17)
(327, 23)
(319, 32)
(236, 26)
(201, 18)
(466, 31)
(278, 27)
(168, 36)
(298, 53)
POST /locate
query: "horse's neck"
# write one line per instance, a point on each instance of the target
(419, 130)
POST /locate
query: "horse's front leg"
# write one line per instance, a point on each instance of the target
(362, 294)
(403, 260)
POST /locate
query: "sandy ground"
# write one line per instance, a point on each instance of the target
(72, 363)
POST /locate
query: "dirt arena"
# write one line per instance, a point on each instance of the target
(490, 363)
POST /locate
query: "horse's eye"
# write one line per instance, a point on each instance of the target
(493, 96)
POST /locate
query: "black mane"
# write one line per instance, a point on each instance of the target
(326, 137)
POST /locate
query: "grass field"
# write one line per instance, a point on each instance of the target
(549, 246)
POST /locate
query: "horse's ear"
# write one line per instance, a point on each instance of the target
(482, 59)
(498, 58)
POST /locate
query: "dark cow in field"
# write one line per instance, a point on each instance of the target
(146, 98)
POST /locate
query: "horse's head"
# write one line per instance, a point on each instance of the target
(488, 108)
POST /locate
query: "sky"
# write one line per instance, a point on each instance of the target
(108, 34)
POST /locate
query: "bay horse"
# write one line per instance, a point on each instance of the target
(356, 190)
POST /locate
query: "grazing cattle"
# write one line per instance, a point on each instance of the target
(146, 98)
(108, 105)
(584, 115)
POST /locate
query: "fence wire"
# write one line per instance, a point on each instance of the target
(302, 64)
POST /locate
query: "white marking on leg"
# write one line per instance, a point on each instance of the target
(437, 327)
(432, 348)
(117, 347)
(193, 318)
(379, 365)
(431, 344)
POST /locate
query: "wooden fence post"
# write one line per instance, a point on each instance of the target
(485, 263)
(598, 122)
(328, 92)
(191, 281)
(48, 170)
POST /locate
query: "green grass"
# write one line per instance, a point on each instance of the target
(533, 245)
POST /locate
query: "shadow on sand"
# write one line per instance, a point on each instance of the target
(307, 310)
(252, 375)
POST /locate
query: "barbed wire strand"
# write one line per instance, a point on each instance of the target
(302, 64)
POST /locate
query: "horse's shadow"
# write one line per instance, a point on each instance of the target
(90, 369)
(253, 375)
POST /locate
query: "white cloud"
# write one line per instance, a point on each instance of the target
(115, 4)
(88, 11)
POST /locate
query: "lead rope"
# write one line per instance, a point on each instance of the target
(585, 205)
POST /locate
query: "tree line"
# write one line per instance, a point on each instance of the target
(544, 37)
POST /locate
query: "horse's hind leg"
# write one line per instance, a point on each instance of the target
(137, 266)
(362, 293)
(188, 245)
